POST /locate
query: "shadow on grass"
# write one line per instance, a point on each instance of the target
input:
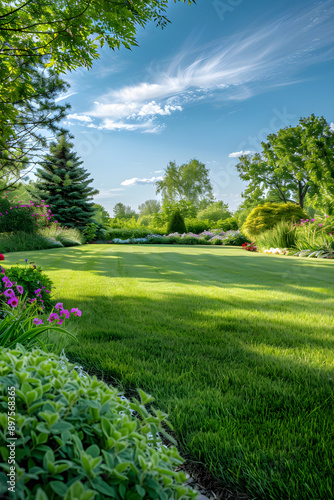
(206, 266)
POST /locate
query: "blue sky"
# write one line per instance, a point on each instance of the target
(221, 77)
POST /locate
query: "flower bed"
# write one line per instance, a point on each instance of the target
(205, 238)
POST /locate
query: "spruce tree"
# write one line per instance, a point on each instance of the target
(64, 185)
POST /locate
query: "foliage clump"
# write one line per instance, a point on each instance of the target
(282, 235)
(15, 218)
(176, 223)
(77, 438)
(31, 278)
(215, 212)
(266, 216)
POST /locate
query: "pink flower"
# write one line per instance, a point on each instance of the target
(19, 288)
(76, 311)
(13, 302)
(38, 322)
(52, 317)
(59, 306)
(2, 257)
(38, 290)
(9, 293)
(320, 225)
(60, 322)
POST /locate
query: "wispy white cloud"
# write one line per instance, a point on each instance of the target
(232, 68)
(80, 118)
(332, 126)
(299, 39)
(136, 180)
(66, 95)
(236, 154)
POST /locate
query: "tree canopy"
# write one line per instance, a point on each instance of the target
(149, 207)
(295, 163)
(70, 32)
(188, 182)
(122, 211)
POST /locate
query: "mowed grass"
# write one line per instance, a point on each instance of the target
(236, 347)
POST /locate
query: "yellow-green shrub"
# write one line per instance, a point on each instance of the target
(266, 216)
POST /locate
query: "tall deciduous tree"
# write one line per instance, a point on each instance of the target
(149, 207)
(295, 163)
(122, 211)
(188, 182)
(65, 186)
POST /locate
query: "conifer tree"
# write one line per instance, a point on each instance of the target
(65, 186)
(176, 223)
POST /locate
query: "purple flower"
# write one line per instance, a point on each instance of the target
(38, 290)
(52, 317)
(9, 293)
(76, 311)
(65, 312)
(7, 282)
(320, 225)
(59, 306)
(312, 220)
(38, 322)
(25, 260)
(326, 215)
(19, 288)
(13, 302)
(60, 322)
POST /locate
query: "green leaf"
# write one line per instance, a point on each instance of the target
(93, 451)
(145, 398)
(58, 487)
(141, 491)
(40, 495)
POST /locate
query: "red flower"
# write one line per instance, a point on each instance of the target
(2, 257)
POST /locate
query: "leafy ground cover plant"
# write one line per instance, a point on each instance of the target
(78, 439)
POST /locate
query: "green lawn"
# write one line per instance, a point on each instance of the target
(236, 347)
